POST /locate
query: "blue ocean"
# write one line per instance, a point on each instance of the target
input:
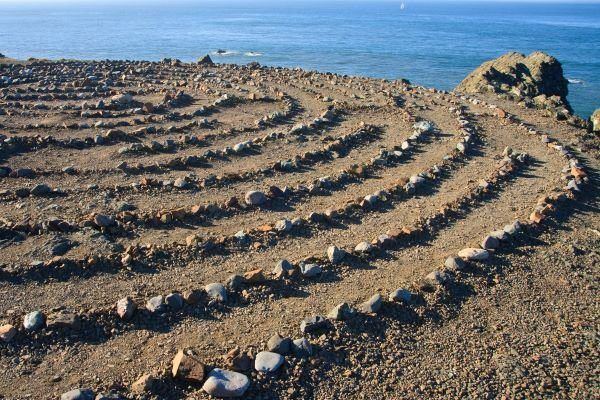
(430, 43)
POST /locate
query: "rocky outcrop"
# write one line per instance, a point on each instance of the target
(536, 79)
(595, 121)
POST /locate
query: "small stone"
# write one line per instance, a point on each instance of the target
(284, 225)
(513, 228)
(340, 312)
(103, 221)
(155, 304)
(372, 305)
(41, 190)
(310, 270)
(490, 243)
(363, 248)
(255, 198)
(283, 269)
(335, 254)
(239, 361)
(216, 291)
(78, 394)
(7, 332)
(235, 282)
(192, 296)
(255, 276)
(279, 344)
(313, 324)
(223, 383)
(125, 308)
(64, 320)
(474, 254)
(454, 263)
(33, 321)
(174, 300)
(188, 367)
(501, 235)
(302, 348)
(267, 361)
(400, 295)
(437, 277)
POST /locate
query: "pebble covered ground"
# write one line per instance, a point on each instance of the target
(173, 230)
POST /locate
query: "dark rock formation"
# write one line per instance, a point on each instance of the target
(206, 60)
(536, 79)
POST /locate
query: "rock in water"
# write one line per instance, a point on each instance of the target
(533, 75)
(223, 383)
(188, 367)
(206, 60)
(267, 361)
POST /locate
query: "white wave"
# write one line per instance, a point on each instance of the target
(575, 81)
(224, 53)
(253, 54)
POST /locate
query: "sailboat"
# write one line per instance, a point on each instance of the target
(402, 6)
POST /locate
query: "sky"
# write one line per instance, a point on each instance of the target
(15, 2)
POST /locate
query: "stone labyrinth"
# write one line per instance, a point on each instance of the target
(172, 229)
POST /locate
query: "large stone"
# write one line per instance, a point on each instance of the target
(283, 269)
(363, 248)
(125, 308)
(216, 291)
(188, 367)
(33, 321)
(206, 60)
(78, 394)
(490, 243)
(474, 254)
(223, 383)
(454, 263)
(104, 221)
(255, 198)
(535, 75)
(174, 300)
(267, 361)
(64, 320)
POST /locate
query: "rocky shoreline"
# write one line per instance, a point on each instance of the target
(175, 230)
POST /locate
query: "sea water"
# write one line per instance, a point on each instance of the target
(428, 42)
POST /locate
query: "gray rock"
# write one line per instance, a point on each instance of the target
(155, 304)
(235, 282)
(64, 320)
(174, 300)
(216, 291)
(223, 383)
(372, 305)
(310, 270)
(313, 324)
(33, 321)
(474, 254)
(284, 225)
(255, 198)
(283, 269)
(500, 235)
(41, 190)
(437, 277)
(125, 308)
(513, 228)
(267, 361)
(302, 348)
(78, 394)
(400, 295)
(104, 221)
(180, 183)
(279, 344)
(454, 264)
(490, 243)
(335, 254)
(363, 248)
(341, 312)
